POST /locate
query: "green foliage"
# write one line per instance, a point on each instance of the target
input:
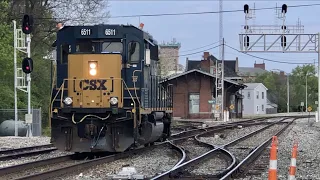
(277, 87)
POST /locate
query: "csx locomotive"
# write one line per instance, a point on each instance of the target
(107, 95)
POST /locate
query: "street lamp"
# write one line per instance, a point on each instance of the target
(288, 87)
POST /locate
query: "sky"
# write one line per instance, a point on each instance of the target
(194, 31)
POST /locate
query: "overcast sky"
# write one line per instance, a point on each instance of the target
(194, 31)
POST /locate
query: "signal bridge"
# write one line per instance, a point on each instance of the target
(279, 39)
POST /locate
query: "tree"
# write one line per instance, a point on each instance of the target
(298, 86)
(46, 14)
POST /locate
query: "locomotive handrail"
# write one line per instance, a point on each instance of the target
(61, 89)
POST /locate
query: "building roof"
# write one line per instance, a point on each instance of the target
(204, 73)
(254, 85)
(229, 68)
(251, 71)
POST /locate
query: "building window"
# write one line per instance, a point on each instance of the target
(262, 95)
(194, 103)
(248, 95)
(257, 108)
(262, 107)
(257, 94)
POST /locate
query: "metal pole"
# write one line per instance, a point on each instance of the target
(222, 80)
(29, 83)
(216, 90)
(15, 79)
(318, 111)
(288, 94)
(307, 92)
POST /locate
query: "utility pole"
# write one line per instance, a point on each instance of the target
(292, 40)
(222, 79)
(288, 95)
(221, 56)
(307, 92)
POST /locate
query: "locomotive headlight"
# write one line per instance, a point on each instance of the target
(68, 100)
(93, 72)
(113, 101)
(92, 68)
(93, 65)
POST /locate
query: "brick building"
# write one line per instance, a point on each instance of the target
(194, 88)
(169, 58)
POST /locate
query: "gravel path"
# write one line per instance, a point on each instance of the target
(224, 137)
(243, 148)
(149, 163)
(12, 142)
(192, 148)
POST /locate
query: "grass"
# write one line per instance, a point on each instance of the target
(46, 131)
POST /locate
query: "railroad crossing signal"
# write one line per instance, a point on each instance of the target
(231, 107)
(309, 109)
(217, 107)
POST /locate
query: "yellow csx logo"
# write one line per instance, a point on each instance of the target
(93, 84)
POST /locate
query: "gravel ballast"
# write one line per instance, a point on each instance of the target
(147, 163)
(308, 158)
(192, 148)
(211, 166)
(224, 137)
(12, 142)
(243, 148)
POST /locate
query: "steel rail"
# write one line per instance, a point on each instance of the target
(28, 153)
(34, 164)
(8, 151)
(254, 154)
(176, 170)
(71, 169)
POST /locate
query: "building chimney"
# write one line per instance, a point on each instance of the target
(205, 63)
(206, 55)
(187, 62)
(261, 66)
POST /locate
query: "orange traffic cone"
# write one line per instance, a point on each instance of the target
(273, 159)
(293, 165)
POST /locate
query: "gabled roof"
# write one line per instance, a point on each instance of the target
(251, 71)
(204, 73)
(254, 85)
(229, 66)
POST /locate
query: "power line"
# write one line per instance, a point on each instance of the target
(209, 12)
(195, 52)
(191, 13)
(283, 62)
(200, 47)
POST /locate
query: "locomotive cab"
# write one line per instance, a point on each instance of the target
(107, 95)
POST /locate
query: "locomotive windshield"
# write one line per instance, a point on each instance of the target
(112, 47)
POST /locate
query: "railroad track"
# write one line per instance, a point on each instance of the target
(183, 170)
(72, 167)
(26, 151)
(244, 165)
(59, 166)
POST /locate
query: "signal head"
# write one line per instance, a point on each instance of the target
(246, 8)
(27, 24)
(27, 65)
(284, 8)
